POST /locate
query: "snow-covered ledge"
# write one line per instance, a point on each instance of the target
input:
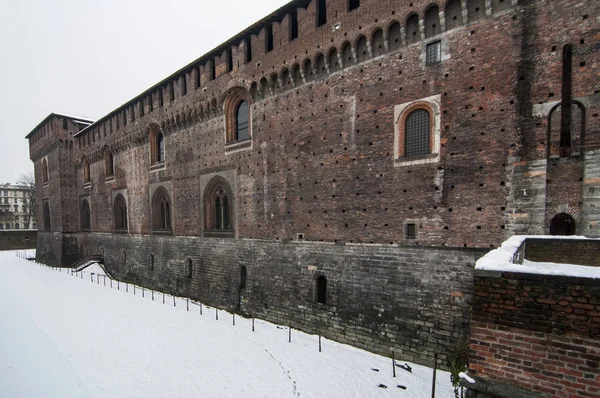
(509, 257)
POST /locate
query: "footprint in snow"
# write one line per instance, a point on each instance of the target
(375, 370)
(382, 386)
(402, 387)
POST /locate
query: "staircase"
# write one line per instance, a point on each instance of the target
(86, 262)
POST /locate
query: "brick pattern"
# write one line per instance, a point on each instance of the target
(379, 297)
(539, 332)
(581, 252)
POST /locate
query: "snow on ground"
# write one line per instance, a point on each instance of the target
(65, 336)
(500, 259)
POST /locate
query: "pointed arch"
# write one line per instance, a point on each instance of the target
(161, 211)
(218, 208)
(85, 216)
(120, 213)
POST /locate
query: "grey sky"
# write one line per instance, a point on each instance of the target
(86, 57)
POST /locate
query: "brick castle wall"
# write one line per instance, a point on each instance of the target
(537, 331)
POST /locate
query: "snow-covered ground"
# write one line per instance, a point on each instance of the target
(66, 336)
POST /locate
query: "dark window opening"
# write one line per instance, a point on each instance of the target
(222, 211)
(213, 71)
(85, 216)
(197, 76)
(183, 84)
(160, 147)
(44, 171)
(150, 104)
(293, 25)
(229, 59)
(321, 13)
(47, 226)
(268, 38)
(433, 53)
(120, 213)
(417, 133)
(248, 49)
(353, 4)
(65, 123)
(241, 121)
(411, 231)
(243, 276)
(109, 164)
(321, 290)
(141, 107)
(188, 268)
(160, 97)
(171, 92)
(562, 224)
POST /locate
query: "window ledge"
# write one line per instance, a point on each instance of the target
(109, 178)
(219, 233)
(416, 160)
(162, 232)
(157, 166)
(87, 184)
(236, 146)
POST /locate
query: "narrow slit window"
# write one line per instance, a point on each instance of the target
(321, 290)
(171, 92)
(229, 60)
(183, 84)
(293, 25)
(269, 38)
(248, 49)
(321, 13)
(353, 4)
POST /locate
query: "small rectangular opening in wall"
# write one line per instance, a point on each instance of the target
(65, 123)
(142, 107)
(293, 25)
(150, 104)
(183, 84)
(321, 13)
(229, 60)
(300, 236)
(268, 38)
(171, 92)
(197, 76)
(411, 231)
(433, 53)
(213, 72)
(248, 49)
(353, 4)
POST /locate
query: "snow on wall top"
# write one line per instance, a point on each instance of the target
(501, 259)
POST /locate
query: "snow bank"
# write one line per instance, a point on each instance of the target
(66, 336)
(500, 259)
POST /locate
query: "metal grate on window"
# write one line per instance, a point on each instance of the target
(417, 133)
(433, 53)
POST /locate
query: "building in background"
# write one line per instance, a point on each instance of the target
(17, 207)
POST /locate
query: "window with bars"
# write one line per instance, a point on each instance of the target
(433, 53)
(417, 133)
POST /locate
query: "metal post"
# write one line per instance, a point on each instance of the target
(393, 363)
(253, 324)
(290, 334)
(187, 304)
(319, 343)
(434, 374)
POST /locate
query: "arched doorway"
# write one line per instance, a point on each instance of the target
(562, 224)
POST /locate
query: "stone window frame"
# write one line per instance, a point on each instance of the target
(109, 164)
(86, 171)
(233, 99)
(433, 106)
(157, 152)
(217, 186)
(444, 51)
(161, 223)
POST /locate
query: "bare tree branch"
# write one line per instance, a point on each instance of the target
(27, 181)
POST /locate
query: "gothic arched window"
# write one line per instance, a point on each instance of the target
(161, 211)
(218, 208)
(85, 216)
(120, 213)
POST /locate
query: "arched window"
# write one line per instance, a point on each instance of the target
(120, 213)
(417, 133)
(394, 36)
(157, 145)
(309, 74)
(264, 87)
(332, 59)
(453, 14)
(44, 171)
(321, 290)
(562, 224)
(188, 268)
(85, 166)
(377, 43)
(362, 52)
(47, 226)
(237, 112)
(84, 217)
(161, 211)
(218, 208)
(413, 34)
(475, 10)
(347, 58)
(109, 165)
(432, 22)
(286, 81)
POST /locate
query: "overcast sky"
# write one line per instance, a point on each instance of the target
(86, 58)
